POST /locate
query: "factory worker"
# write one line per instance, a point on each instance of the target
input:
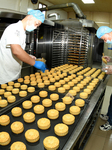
(105, 33)
(12, 47)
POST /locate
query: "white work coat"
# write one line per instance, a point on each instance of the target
(10, 66)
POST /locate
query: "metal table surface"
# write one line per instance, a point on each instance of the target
(84, 118)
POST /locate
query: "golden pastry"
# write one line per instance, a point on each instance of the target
(73, 92)
(32, 135)
(9, 88)
(31, 89)
(74, 110)
(20, 80)
(22, 93)
(33, 83)
(61, 90)
(61, 129)
(57, 84)
(15, 91)
(3, 103)
(18, 146)
(83, 95)
(76, 88)
(53, 114)
(27, 104)
(88, 91)
(52, 87)
(66, 86)
(2, 91)
(60, 106)
(46, 82)
(68, 119)
(43, 123)
(11, 99)
(67, 100)
(29, 117)
(51, 143)
(24, 87)
(74, 81)
(26, 81)
(47, 102)
(54, 97)
(79, 102)
(17, 127)
(17, 85)
(4, 120)
(43, 94)
(35, 99)
(62, 82)
(3, 86)
(11, 83)
(16, 111)
(4, 138)
(38, 109)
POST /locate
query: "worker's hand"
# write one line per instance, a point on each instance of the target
(108, 59)
(33, 57)
(108, 69)
(40, 65)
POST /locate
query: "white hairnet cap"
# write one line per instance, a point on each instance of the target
(103, 30)
(37, 14)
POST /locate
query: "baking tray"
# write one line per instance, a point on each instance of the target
(43, 133)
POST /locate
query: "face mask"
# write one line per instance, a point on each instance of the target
(109, 42)
(30, 28)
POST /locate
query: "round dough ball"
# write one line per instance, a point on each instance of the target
(4, 120)
(66, 79)
(61, 129)
(51, 143)
(80, 86)
(38, 109)
(18, 146)
(32, 135)
(43, 94)
(35, 99)
(43, 123)
(60, 106)
(68, 119)
(71, 83)
(76, 88)
(16, 111)
(11, 83)
(6, 94)
(79, 102)
(26, 81)
(88, 91)
(57, 84)
(47, 102)
(66, 86)
(9, 88)
(62, 82)
(46, 82)
(33, 83)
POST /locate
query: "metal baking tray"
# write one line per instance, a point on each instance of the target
(43, 133)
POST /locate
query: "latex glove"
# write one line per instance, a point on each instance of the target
(40, 65)
(108, 69)
(108, 59)
(33, 57)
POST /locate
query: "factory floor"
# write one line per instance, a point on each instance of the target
(99, 140)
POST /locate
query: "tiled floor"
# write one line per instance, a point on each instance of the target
(99, 140)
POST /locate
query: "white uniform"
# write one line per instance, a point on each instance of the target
(10, 66)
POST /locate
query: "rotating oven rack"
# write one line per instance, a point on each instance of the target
(78, 46)
(59, 49)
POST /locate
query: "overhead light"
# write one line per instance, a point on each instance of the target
(88, 1)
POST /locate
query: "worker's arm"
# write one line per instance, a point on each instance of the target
(21, 54)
